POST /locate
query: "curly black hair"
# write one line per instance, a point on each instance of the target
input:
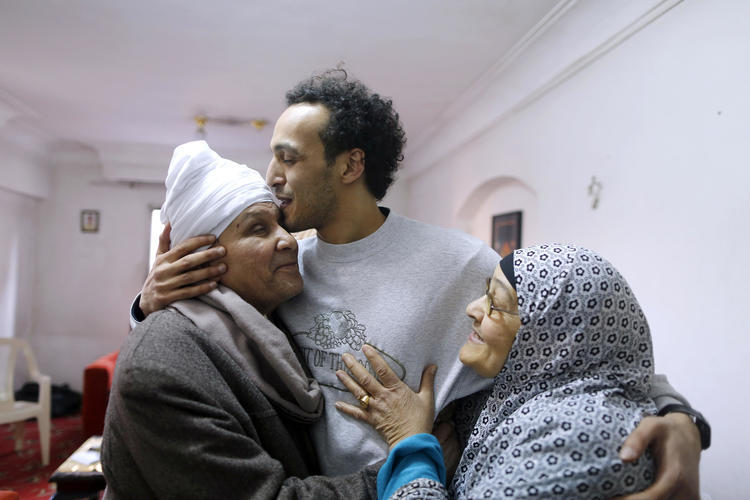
(359, 119)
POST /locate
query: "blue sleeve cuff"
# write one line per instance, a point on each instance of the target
(418, 456)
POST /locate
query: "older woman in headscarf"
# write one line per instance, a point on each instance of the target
(569, 348)
(209, 398)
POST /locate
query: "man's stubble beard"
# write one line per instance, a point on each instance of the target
(319, 207)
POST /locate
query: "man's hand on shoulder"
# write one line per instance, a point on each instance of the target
(180, 274)
(676, 444)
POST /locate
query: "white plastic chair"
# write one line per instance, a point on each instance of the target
(18, 411)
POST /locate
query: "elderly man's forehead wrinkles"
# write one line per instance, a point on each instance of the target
(260, 211)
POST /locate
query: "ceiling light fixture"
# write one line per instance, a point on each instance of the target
(201, 120)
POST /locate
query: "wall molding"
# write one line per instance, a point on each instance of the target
(493, 73)
(463, 216)
(11, 107)
(148, 163)
(20, 126)
(128, 162)
(466, 120)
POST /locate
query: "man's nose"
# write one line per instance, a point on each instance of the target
(273, 175)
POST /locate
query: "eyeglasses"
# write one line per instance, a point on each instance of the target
(489, 306)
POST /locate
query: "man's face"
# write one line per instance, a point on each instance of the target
(298, 173)
(261, 258)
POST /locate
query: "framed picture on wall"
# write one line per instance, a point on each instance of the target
(506, 232)
(89, 221)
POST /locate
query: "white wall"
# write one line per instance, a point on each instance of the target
(24, 178)
(23, 171)
(661, 120)
(86, 281)
(397, 196)
(18, 224)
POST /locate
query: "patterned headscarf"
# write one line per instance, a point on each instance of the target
(575, 384)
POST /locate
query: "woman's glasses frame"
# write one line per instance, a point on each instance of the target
(489, 306)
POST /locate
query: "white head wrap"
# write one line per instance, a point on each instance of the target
(205, 192)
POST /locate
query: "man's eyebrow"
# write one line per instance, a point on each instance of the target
(285, 146)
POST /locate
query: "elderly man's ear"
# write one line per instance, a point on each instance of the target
(354, 167)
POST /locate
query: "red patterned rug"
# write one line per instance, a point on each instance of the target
(22, 472)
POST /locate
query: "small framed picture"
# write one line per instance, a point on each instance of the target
(89, 221)
(506, 232)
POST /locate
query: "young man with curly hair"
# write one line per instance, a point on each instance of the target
(373, 276)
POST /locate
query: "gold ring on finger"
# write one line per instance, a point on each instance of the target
(364, 401)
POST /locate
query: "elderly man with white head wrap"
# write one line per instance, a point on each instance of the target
(210, 399)
(205, 192)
